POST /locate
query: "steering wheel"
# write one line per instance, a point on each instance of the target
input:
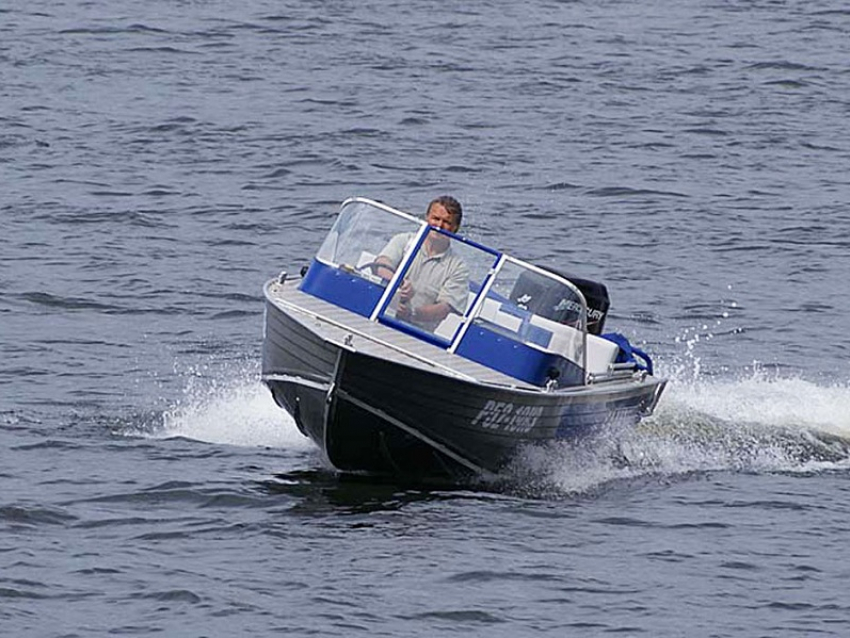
(372, 269)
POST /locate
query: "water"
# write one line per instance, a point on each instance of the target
(158, 163)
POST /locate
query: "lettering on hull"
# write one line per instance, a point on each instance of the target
(507, 417)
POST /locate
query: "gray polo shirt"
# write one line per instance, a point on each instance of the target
(435, 278)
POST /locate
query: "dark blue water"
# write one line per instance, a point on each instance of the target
(160, 161)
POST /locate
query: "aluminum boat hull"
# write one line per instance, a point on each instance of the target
(372, 402)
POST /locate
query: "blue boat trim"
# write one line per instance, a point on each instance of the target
(414, 331)
(629, 353)
(341, 288)
(499, 349)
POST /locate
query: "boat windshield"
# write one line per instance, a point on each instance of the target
(391, 267)
(436, 287)
(361, 230)
(535, 308)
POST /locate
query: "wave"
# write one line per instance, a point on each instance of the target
(763, 399)
(756, 424)
(228, 407)
(759, 424)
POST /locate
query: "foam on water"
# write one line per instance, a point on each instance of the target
(762, 423)
(235, 409)
(768, 400)
(757, 395)
(758, 423)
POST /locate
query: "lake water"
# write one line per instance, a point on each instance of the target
(159, 161)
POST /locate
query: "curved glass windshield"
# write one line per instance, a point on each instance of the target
(536, 308)
(439, 284)
(516, 318)
(361, 231)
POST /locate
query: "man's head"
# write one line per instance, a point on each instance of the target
(445, 212)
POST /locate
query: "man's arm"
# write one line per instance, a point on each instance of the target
(383, 267)
(451, 298)
(386, 263)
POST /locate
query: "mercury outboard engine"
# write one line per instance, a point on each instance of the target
(540, 296)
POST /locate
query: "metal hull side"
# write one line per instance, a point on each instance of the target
(477, 426)
(362, 439)
(298, 367)
(353, 439)
(290, 347)
(370, 414)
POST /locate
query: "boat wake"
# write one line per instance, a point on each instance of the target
(230, 407)
(754, 424)
(757, 424)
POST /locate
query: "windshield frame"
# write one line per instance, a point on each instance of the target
(406, 263)
(475, 310)
(486, 287)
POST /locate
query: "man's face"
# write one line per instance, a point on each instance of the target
(439, 217)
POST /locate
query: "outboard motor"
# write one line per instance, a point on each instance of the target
(541, 296)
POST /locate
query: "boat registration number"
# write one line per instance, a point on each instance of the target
(503, 415)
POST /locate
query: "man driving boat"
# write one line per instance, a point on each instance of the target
(437, 281)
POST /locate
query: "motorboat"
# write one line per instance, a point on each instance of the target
(521, 360)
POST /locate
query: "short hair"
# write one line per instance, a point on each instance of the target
(451, 205)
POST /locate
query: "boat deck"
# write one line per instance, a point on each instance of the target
(354, 332)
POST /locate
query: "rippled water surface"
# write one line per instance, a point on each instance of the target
(160, 160)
